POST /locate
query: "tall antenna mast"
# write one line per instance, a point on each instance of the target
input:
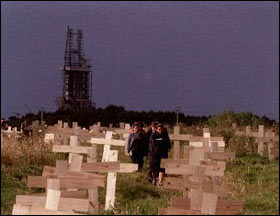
(77, 74)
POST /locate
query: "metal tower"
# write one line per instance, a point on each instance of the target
(77, 76)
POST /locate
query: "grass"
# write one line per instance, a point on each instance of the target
(253, 179)
(135, 196)
(10, 187)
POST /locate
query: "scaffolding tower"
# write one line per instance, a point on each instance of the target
(76, 73)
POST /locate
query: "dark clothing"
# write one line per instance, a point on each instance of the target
(158, 148)
(156, 166)
(135, 146)
(136, 142)
(167, 140)
(167, 143)
(137, 159)
(147, 141)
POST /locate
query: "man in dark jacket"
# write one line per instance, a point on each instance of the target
(135, 145)
(159, 147)
(150, 131)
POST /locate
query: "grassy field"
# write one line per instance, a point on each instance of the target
(253, 179)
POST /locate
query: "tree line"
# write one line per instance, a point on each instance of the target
(113, 114)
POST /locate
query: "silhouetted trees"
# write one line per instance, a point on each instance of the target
(115, 114)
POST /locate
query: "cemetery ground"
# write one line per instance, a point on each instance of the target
(251, 178)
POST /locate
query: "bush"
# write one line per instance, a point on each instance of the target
(227, 133)
(26, 152)
(243, 145)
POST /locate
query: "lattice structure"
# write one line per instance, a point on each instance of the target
(76, 73)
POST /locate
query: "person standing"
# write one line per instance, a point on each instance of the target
(150, 131)
(159, 146)
(135, 146)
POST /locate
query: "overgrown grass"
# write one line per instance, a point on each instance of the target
(21, 158)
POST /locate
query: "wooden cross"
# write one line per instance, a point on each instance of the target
(110, 156)
(181, 205)
(193, 140)
(202, 194)
(262, 137)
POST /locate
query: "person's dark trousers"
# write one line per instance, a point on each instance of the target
(137, 159)
(149, 175)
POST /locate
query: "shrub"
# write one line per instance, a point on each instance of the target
(227, 133)
(243, 145)
(26, 152)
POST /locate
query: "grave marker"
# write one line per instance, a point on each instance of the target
(111, 182)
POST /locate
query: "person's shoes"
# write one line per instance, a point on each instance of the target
(160, 184)
(154, 182)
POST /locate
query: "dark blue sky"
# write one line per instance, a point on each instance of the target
(205, 57)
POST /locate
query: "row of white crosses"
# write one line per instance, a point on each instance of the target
(124, 130)
(10, 131)
(60, 132)
(109, 156)
(77, 175)
(202, 193)
(64, 176)
(196, 141)
(262, 137)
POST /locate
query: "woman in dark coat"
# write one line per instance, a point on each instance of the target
(135, 145)
(158, 148)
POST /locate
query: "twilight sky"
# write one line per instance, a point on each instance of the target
(205, 57)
